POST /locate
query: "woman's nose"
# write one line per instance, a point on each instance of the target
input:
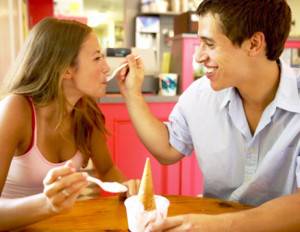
(106, 68)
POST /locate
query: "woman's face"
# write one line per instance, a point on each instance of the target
(88, 78)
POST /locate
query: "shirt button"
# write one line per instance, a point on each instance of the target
(251, 150)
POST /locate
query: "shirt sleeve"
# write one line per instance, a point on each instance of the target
(298, 171)
(179, 133)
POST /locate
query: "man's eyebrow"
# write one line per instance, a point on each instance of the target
(206, 38)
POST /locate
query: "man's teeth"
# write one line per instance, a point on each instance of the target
(210, 70)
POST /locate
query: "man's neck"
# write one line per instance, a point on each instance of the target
(259, 92)
(262, 86)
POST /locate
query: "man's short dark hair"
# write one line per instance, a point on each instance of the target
(240, 19)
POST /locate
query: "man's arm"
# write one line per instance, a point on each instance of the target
(152, 132)
(279, 214)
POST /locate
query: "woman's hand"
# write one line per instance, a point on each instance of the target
(133, 188)
(62, 185)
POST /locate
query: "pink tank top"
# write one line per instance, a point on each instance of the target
(27, 172)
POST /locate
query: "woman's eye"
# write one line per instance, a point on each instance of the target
(98, 58)
(209, 44)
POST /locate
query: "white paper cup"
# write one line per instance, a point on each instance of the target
(138, 218)
(168, 84)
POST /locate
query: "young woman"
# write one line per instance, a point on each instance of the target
(50, 124)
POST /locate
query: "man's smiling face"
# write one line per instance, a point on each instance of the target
(225, 63)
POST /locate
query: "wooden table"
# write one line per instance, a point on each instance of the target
(109, 213)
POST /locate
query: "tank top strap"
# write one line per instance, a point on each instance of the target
(33, 122)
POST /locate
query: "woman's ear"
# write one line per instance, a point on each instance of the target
(257, 44)
(68, 73)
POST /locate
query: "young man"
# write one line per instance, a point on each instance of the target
(242, 119)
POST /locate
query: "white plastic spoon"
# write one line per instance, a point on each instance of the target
(113, 187)
(118, 69)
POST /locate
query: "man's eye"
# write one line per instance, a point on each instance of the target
(98, 58)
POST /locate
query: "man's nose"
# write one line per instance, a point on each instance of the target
(201, 57)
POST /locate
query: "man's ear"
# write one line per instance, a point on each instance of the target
(257, 44)
(68, 73)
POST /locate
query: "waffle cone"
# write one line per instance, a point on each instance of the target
(146, 193)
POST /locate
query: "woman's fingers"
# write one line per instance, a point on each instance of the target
(133, 187)
(62, 185)
(62, 193)
(58, 172)
(64, 182)
(69, 193)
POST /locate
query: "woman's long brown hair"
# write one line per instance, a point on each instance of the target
(50, 48)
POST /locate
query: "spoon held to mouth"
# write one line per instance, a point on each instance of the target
(118, 69)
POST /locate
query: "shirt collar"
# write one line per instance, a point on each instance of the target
(231, 94)
(287, 96)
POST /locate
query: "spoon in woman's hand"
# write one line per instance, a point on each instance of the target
(113, 187)
(118, 69)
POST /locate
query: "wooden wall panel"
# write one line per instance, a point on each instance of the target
(129, 154)
(11, 33)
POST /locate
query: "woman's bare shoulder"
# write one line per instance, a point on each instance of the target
(15, 125)
(14, 109)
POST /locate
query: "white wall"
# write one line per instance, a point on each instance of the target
(295, 7)
(11, 32)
